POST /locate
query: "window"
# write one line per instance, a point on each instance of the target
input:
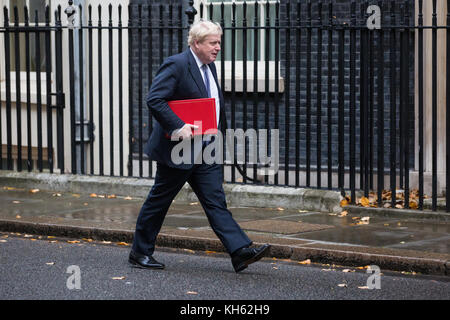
(256, 14)
(250, 16)
(35, 7)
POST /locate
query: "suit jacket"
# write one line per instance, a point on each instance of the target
(178, 78)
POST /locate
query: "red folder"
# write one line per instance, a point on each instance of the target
(197, 110)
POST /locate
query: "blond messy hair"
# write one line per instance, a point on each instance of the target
(201, 29)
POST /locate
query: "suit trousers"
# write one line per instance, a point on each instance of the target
(206, 181)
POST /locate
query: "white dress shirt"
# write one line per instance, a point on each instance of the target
(212, 84)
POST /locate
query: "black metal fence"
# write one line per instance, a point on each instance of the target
(346, 94)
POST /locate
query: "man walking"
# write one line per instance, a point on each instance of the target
(188, 75)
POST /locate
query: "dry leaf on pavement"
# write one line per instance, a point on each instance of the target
(343, 213)
(192, 292)
(364, 202)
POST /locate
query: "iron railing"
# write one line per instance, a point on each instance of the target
(347, 99)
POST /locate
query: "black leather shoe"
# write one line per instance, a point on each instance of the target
(245, 256)
(143, 261)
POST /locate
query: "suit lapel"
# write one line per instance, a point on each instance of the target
(195, 73)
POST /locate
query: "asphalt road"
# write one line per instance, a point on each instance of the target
(33, 268)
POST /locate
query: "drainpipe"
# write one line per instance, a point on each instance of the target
(73, 18)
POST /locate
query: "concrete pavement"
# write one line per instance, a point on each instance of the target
(360, 238)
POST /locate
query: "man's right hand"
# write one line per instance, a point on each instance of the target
(186, 132)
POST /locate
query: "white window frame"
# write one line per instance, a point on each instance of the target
(239, 76)
(23, 74)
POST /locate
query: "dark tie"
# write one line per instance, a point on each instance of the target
(205, 73)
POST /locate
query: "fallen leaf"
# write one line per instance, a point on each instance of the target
(93, 195)
(34, 190)
(344, 203)
(27, 235)
(3, 241)
(343, 213)
(76, 195)
(302, 211)
(348, 270)
(106, 242)
(128, 198)
(122, 244)
(73, 241)
(118, 278)
(188, 250)
(399, 206)
(56, 194)
(413, 204)
(111, 196)
(280, 209)
(365, 218)
(16, 201)
(193, 203)
(342, 285)
(191, 292)
(363, 288)
(50, 263)
(364, 202)
(51, 237)
(307, 261)
(87, 240)
(9, 188)
(210, 252)
(275, 268)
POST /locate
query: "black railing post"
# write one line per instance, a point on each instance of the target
(420, 103)
(59, 91)
(380, 116)
(352, 101)
(9, 163)
(434, 108)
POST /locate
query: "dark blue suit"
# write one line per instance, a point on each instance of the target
(179, 78)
